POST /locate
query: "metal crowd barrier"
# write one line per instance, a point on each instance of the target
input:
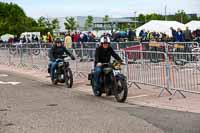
(173, 71)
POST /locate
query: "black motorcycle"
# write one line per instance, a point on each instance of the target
(113, 82)
(63, 73)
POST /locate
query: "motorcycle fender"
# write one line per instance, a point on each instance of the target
(120, 76)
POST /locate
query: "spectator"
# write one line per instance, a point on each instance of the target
(76, 37)
(68, 41)
(173, 34)
(15, 39)
(10, 40)
(91, 37)
(24, 39)
(179, 36)
(36, 39)
(188, 35)
(44, 38)
(131, 35)
(49, 37)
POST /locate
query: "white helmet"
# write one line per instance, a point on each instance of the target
(105, 39)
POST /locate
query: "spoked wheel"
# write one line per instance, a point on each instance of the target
(36, 51)
(68, 78)
(121, 90)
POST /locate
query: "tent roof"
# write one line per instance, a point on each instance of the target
(160, 26)
(193, 25)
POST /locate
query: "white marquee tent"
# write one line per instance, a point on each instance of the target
(193, 25)
(160, 26)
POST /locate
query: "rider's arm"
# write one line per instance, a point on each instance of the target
(68, 53)
(96, 55)
(51, 55)
(115, 55)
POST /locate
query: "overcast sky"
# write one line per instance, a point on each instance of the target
(114, 8)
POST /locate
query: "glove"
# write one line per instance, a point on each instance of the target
(121, 62)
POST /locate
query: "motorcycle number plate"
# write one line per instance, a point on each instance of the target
(116, 72)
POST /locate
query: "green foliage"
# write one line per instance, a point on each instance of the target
(70, 23)
(89, 22)
(55, 24)
(42, 22)
(106, 18)
(182, 17)
(13, 20)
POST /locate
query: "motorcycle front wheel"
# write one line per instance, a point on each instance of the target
(121, 90)
(68, 78)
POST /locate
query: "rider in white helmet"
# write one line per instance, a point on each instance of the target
(103, 55)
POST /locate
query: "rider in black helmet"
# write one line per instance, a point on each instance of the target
(56, 52)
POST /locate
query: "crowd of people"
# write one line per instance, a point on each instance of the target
(178, 35)
(119, 36)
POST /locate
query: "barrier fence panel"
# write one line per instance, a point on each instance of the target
(125, 45)
(185, 71)
(4, 56)
(84, 61)
(143, 69)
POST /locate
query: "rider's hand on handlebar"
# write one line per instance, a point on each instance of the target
(121, 62)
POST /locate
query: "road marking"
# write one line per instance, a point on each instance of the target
(85, 90)
(137, 96)
(3, 75)
(9, 83)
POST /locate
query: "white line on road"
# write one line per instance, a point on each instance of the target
(85, 90)
(3, 75)
(137, 96)
(9, 83)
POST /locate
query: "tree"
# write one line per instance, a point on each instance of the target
(13, 19)
(70, 24)
(42, 22)
(141, 18)
(89, 22)
(55, 24)
(181, 16)
(106, 19)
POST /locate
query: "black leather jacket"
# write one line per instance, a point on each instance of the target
(57, 52)
(103, 55)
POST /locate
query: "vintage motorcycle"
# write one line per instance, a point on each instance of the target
(63, 73)
(113, 82)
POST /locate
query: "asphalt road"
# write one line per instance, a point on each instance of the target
(28, 105)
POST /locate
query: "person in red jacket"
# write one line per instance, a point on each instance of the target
(49, 37)
(76, 37)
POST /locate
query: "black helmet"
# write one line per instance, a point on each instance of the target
(58, 40)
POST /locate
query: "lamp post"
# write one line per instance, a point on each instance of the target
(135, 19)
(165, 12)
